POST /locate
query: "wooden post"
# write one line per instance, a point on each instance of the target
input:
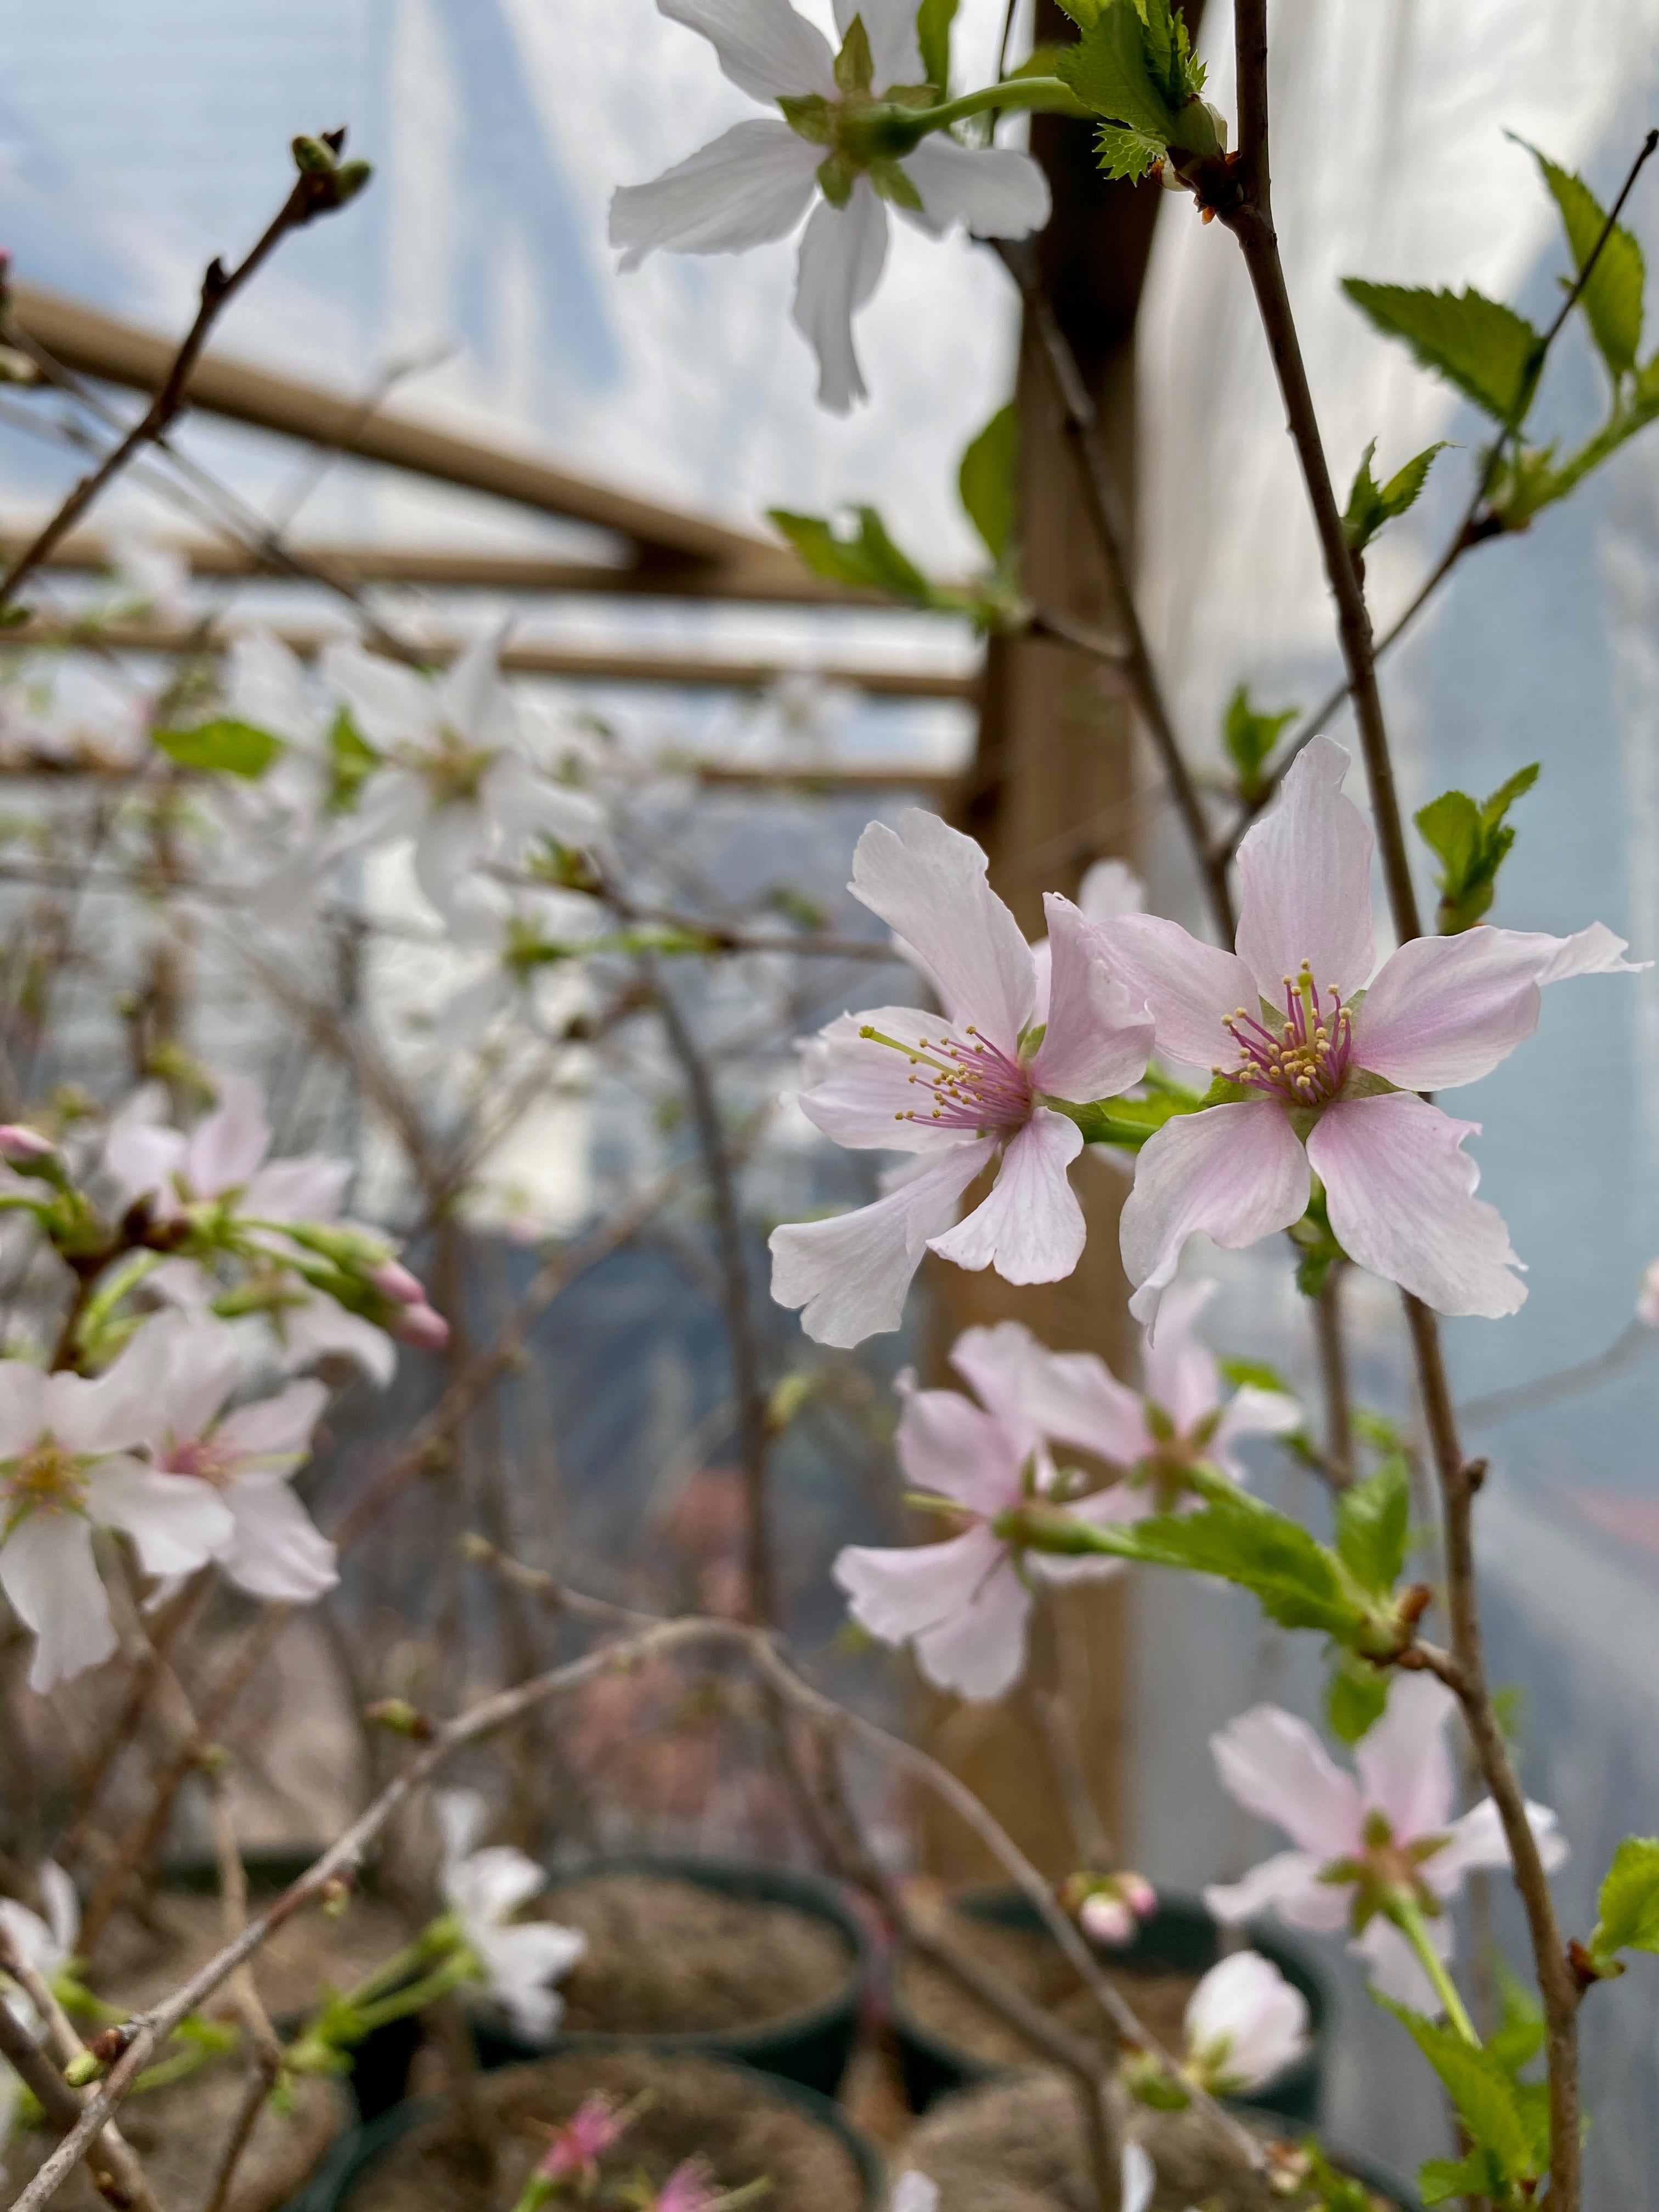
(1053, 788)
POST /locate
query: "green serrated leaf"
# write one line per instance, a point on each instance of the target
(988, 481)
(1499, 2116)
(1373, 1522)
(1123, 152)
(232, 747)
(1612, 299)
(1086, 13)
(1248, 736)
(933, 21)
(1110, 71)
(1471, 843)
(1441, 2179)
(889, 570)
(1519, 2037)
(1493, 810)
(1629, 1902)
(855, 67)
(1356, 1697)
(840, 560)
(1488, 351)
(1371, 504)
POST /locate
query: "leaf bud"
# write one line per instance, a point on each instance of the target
(400, 1718)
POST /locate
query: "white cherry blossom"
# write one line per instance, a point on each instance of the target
(1244, 2023)
(754, 184)
(519, 1959)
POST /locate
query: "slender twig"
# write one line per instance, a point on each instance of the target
(1472, 528)
(264, 2048)
(742, 1340)
(1082, 427)
(1251, 222)
(116, 2174)
(313, 192)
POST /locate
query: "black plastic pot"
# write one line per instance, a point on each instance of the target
(330, 2187)
(378, 2077)
(809, 2047)
(1181, 1937)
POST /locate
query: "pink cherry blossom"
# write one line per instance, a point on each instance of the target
(224, 1156)
(964, 1090)
(595, 2127)
(67, 1465)
(248, 1456)
(689, 2188)
(1327, 1059)
(1244, 2023)
(1354, 1839)
(963, 1604)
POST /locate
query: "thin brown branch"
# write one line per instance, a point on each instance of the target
(1082, 427)
(1338, 1463)
(1460, 1479)
(116, 2174)
(313, 192)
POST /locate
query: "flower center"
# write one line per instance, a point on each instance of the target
(1303, 1057)
(1386, 1868)
(207, 1459)
(45, 1479)
(453, 770)
(967, 1083)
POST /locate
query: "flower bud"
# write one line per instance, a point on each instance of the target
(1107, 1919)
(21, 1146)
(421, 1325)
(393, 1280)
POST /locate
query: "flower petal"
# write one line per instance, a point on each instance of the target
(1592, 952)
(946, 1444)
(175, 1522)
(992, 191)
(1097, 1040)
(390, 705)
(1236, 1173)
(980, 1650)
(308, 1188)
(200, 1363)
(1288, 1883)
(1029, 1227)
(1400, 1194)
(842, 253)
(1446, 1009)
(1180, 1371)
(749, 186)
(1404, 1760)
(1246, 2004)
(927, 883)
(1251, 1412)
(1276, 1767)
(762, 46)
(1478, 1840)
(274, 1549)
(23, 1400)
(266, 685)
(233, 1140)
(1395, 1969)
(890, 27)
(106, 1415)
(1075, 1399)
(48, 1573)
(278, 1427)
(1191, 988)
(1305, 868)
(898, 1592)
(850, 1274)
(994, 1362)
(320, 1326)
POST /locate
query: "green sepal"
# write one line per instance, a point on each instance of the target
(1126, 1121)
(1492, 355)
(810, 116)
(836, 177)
(892, 181)
(1371, 504)
(855, 66)
(351, 760)
(224, 746)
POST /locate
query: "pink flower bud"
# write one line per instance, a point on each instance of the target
(1138, 1894)
(22, 1147)
(595, 2127)
(1107, 1919)
(422, 1326)
(393, 1280)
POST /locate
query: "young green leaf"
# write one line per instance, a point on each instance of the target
(1488, 351)
(1371, 504)
(231, 747)
(890, 570)
(837, 559)
(1629, 1904)
(1471, 842)
(1257, 1373)
(1248, 736)
(1505, 2119)
(1110, 69)
(1520, 2034)
(988, 481)
(1373, 1522)
(1356, 1697)
(1612, 299)
(933, 21)
(351, 761)
(1442, 2180)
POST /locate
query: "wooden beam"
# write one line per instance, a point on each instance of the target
(94, 343)
(619, 663)
(780, 581)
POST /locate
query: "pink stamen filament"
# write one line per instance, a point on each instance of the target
(1302, 1063)
(974, 1087)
